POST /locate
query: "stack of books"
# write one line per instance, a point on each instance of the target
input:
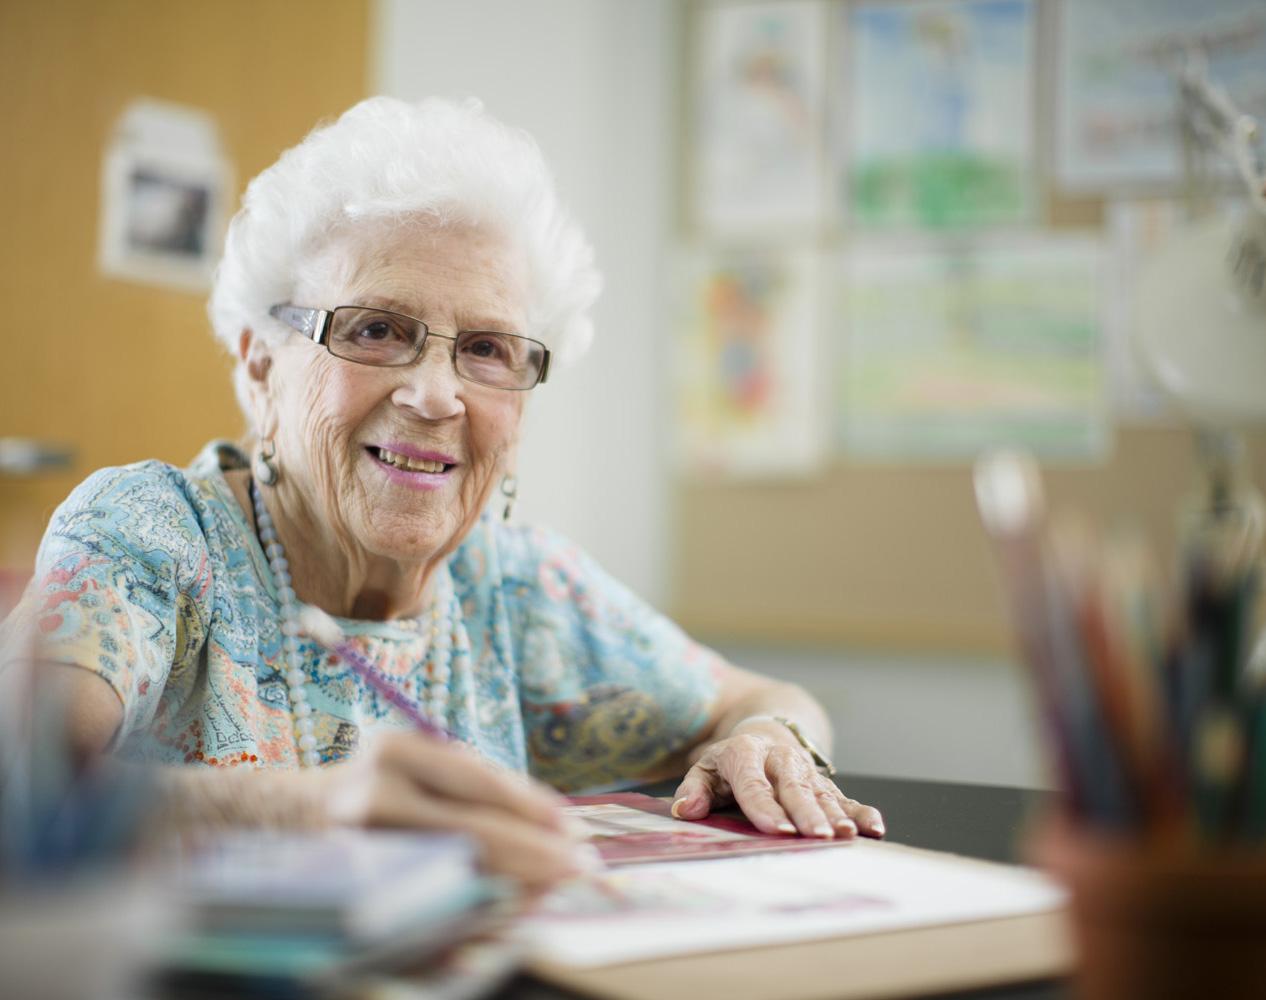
(272, 914)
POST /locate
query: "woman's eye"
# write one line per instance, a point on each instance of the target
(485, 347)
(376, 332)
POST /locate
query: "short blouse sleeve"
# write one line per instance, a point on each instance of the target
(116, 586)
(609, 687)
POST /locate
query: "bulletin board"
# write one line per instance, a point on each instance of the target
(886, 550)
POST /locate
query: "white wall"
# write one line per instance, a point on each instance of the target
(590, 79)
(949, 718)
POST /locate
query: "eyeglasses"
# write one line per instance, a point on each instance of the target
(392, 340)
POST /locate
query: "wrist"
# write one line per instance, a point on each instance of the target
(194, 799)
(764, 725)
(786, 730)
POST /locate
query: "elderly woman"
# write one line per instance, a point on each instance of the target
(394, 288)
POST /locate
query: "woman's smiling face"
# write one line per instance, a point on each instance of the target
(399, 462)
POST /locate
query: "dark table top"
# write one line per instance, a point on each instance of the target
(980, 821)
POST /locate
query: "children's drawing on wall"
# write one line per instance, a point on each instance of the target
(1117, 117)
(938, 113)
(744, 365)
(757, 128)
(949, 352)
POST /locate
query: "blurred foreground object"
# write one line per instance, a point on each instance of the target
(1158, 924)
(90, 939)
(1155, 717)
(1153, 709)
(78, 918)
(296, 914)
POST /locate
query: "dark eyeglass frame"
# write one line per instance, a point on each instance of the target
(315, 324)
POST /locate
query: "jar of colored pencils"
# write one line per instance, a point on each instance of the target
(1163, 920)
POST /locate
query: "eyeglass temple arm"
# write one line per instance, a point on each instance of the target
(312, 323)
(540, 379)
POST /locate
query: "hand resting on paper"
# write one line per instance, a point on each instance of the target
(775, 783)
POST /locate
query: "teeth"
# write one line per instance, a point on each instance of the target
(409, 464)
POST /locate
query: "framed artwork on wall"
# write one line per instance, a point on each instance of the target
(755, 133)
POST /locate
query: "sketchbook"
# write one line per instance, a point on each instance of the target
(861, 919)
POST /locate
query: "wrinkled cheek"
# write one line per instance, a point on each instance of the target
(494, 456)
(326, 435)
(330, 462)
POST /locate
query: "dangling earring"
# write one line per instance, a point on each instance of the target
(510, 491)
(264, 466)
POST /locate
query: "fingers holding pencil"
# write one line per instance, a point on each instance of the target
(428, 780)
(456, 772)
(410, 780)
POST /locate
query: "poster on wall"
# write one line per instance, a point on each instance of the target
(165, 188)
(744, 365)
(1116, 120)
(950, 351)
(757, 160)
(938, 115)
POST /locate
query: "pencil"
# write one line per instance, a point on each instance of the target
(1012, 508)
(321, 627)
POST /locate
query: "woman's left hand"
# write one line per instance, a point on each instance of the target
(776, 785)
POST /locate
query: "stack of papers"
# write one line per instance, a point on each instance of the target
(273, 913)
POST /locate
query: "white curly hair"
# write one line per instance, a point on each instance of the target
(386, 159)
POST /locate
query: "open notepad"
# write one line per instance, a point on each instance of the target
(856, 919)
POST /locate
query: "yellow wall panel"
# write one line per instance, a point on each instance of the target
(120, 371)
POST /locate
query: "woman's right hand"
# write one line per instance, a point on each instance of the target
(402, 779)
(412, 780)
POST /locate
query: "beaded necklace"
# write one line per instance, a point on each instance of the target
(440, 646)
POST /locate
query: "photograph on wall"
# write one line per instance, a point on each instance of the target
(937, 113)
(165, 185)
(744, 366)
(948, 352)
(1117, 107)
(757, 158)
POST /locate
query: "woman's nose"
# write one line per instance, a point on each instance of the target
(430, 386)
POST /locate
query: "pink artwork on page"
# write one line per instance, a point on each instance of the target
(630, 828)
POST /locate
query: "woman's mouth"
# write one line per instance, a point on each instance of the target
(427, 472)
(406, 463)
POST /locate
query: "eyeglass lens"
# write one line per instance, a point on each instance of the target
(377, 337)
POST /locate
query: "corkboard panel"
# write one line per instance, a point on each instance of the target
(116, 370)
(894, 556)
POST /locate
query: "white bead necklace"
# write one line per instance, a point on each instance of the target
(296, 679)
(440, 645)
(439, 654)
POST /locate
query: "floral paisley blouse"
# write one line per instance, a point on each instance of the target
(152, 578)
